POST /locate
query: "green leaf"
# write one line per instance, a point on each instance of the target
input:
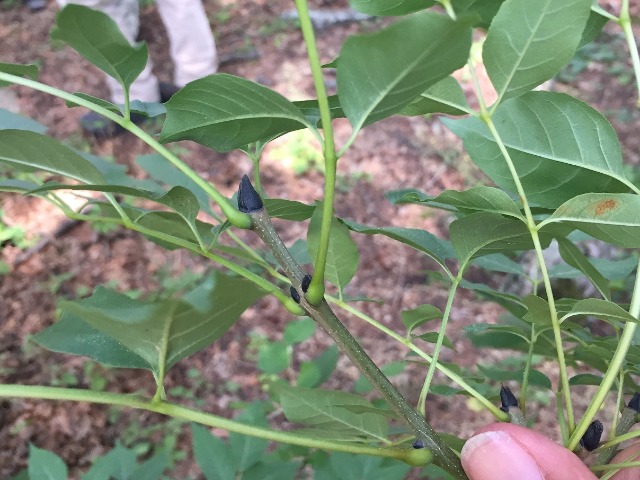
(10, 120)
(179, 199)
(161, 170)
(487, 10)
(538, 311)
(151, 469)
(378, 74)
(346, 466)
(297, 331)
(172, 224)
(432, 337)
(554, 160)
(614, 218)
(274, 357)
(326, 409)
(362, 385)
(318, 370)
(517, 50)
(485, 199)
(246, 450)
(311, 109)
(482, 328)
(212, 454)
(499, 263)
(595, 24)
(482, 233)
(602, 309)
(585, 379)
(288, 209)
(446, 96)
(386, 8)
(166, 331)
(282, 470)
(96, 37)
(423, 241)
(342, 257)
(29, 150)
(74, 336)
(17, 186)
(18, 70)
(45, 465)
(610, 269)
(511, 303)
(416, 317)
(225, 112)
(574, 257)
(119, 463)
(536, 378)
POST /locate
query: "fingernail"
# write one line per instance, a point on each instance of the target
(494, 455)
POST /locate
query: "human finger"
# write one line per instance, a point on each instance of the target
(503, 451)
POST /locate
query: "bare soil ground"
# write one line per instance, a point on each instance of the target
(398, 153)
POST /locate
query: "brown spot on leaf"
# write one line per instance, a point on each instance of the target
(605, 205)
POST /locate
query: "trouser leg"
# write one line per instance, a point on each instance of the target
(193, 49)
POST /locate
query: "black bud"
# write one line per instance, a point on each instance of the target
(249, 200)
(591, 438)
(507, 398)
(418, 444)
(295, 295)
(306, 281)
(634, 403)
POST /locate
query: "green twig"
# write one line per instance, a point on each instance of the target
(315, 293)
(625, 23)
(177, 411)
(422, 400)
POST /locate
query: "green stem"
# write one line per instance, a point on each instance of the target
(448, 8)
(499, 414)
(533, 230)
(315, 293)
(191, 415)
(621, 438)
(326, 318)
(527, 369)
(422, 400)
(237, 218)
(617, 362)
(162, 360)
(625, 23)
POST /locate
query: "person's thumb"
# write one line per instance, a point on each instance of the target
(504, 452)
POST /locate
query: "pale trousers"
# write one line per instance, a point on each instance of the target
(192, 46)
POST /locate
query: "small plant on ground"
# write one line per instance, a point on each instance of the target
(557, 167)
